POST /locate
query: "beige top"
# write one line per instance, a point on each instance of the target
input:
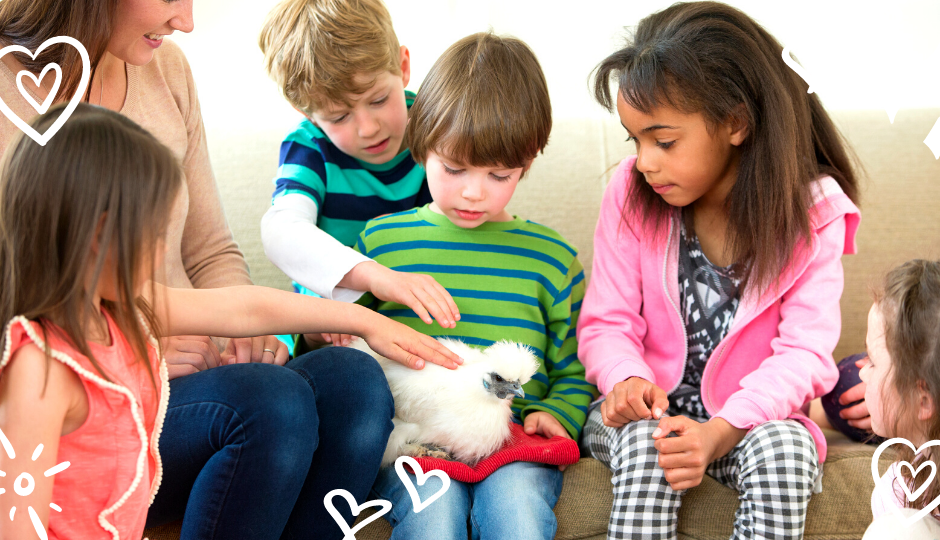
(161, 97)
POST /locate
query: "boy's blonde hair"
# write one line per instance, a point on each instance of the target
(483, 103)
(314, 49)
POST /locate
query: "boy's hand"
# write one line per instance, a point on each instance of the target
(546, 425)
(425, 296)
(400, 343)
(684, 458)
(632, 400)
(339, 340)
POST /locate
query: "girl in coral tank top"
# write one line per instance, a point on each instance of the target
(83, 387)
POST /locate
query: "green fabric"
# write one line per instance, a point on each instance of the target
(515, 280)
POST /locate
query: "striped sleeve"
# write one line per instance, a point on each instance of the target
(569, 393)
(301, 168)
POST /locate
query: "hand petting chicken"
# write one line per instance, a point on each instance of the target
(461, 414)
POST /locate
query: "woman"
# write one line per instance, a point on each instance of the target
(249, 449)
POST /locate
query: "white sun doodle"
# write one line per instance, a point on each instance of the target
(24, 484)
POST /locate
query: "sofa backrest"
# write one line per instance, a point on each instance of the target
(900, 195)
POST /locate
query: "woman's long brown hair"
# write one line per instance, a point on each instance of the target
(99, 168)
(910, 306)
(710, 58)
(31, 22)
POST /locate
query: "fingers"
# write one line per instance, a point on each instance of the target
(179, 370)
(241, 350)
(853, 394)
(530, 424)
(433, 351)
(417, 306)
(683, 478)
(198, 351)
(855, 412)
(607, 416)
(864, 423)
(670, 424)
(659, 400)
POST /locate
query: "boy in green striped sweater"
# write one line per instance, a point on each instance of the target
(512, 279)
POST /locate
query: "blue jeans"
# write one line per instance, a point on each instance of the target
(514, 502)
(250, 450)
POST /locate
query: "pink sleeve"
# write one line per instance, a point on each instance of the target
(801, 366)
(610, 327)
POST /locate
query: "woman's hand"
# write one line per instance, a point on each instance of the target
(685, 458)
(420, 292)
(631, 400)
(401, 344)
(857, 415)
(189, 354)
(255, 349)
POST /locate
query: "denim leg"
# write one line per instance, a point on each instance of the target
(236, 445)
(444, 519)
(355, 410)
(516, 502)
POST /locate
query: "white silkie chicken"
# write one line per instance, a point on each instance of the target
(460, 414)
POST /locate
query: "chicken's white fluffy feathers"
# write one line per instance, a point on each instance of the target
(458, 410)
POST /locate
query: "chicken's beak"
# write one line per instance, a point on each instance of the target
(517, 388)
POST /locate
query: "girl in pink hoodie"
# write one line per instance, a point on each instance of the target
(713, 308)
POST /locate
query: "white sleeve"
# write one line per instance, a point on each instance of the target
(307, 254)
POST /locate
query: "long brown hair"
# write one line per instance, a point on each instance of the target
(31, 22)
(710, 58)
(910, 306)
(99, 167)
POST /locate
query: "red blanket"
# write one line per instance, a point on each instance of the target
(519, 447)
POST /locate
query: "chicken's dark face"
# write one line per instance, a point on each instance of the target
(501, 388)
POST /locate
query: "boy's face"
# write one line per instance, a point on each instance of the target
(372, 130)
(470, 196)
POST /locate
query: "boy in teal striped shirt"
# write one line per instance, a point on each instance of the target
(339, 63)
(512, 279)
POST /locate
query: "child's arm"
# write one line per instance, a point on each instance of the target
(611, 327)
(40, 399)
(270, 311)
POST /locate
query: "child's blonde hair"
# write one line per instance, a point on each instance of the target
(483, 103)
(910, 307)
(101, 178)
(314, 49)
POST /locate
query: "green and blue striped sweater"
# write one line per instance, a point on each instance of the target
(514, 280)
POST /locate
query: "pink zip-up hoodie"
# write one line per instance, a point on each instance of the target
(777, 355)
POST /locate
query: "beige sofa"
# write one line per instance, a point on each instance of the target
(901, 192)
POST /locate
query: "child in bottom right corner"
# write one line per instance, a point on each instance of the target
(903, 396)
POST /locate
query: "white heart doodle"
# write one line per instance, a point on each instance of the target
(422, 477)
(800, 70)
(37, 80)
(79, 91)
(910, 496)
(350, 534)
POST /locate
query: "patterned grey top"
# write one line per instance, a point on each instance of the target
(709, 297)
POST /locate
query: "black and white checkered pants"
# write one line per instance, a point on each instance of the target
(774, 469)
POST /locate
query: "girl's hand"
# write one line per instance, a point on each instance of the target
(397, 342)
(856, 415)
(684, 458)
(631, 400)
(255, 349)
(420, 292)
(188, 354)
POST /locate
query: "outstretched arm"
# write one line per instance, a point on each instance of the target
(271, 311)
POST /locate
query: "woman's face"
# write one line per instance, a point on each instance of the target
(140, 26)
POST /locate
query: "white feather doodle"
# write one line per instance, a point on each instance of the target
(464, 412)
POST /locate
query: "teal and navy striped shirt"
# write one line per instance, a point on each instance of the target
(348, 192)
(513, 280)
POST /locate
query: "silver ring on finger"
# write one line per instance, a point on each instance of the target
(270, 351)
